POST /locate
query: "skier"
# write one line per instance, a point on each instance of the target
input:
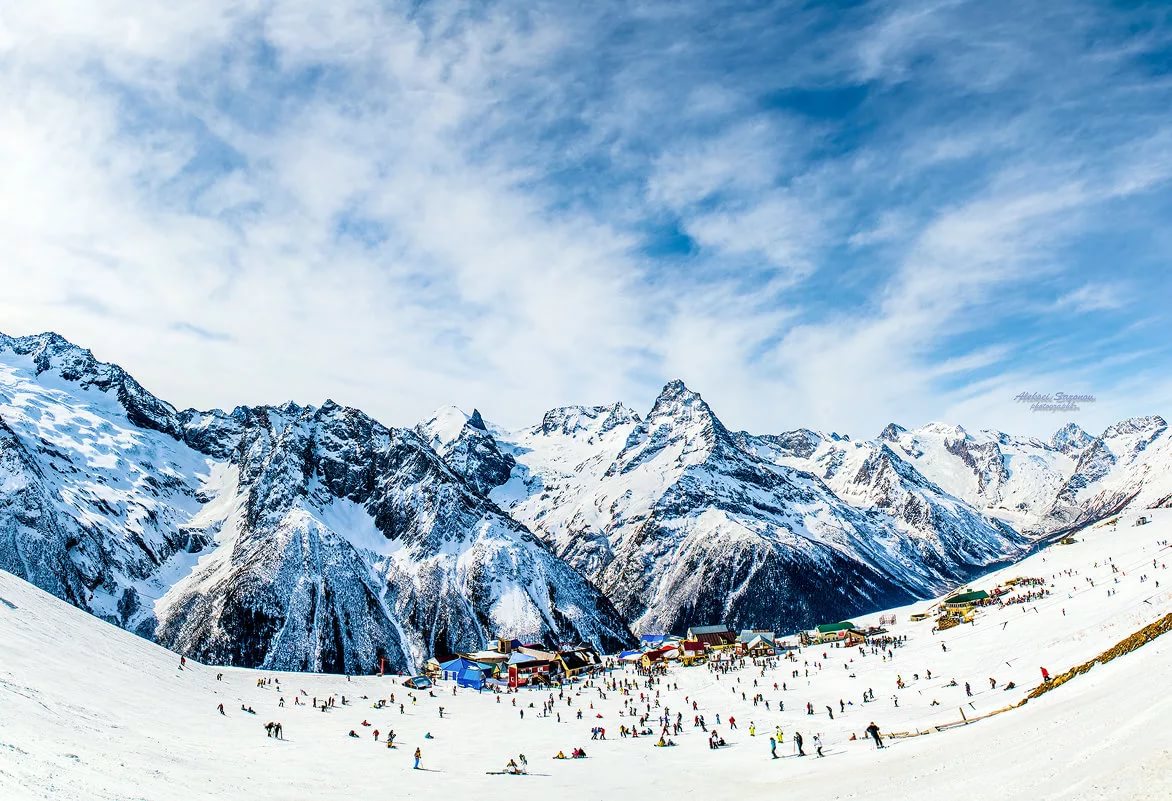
(968, 690)
(818, 744)
(1045, 674)
(773, 746)
(798, 743)
(418, 757)
(873, 731)
(221, 708)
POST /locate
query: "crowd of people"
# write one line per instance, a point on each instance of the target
(648, 704)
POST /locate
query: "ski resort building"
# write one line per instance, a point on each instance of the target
(650, 641)
(761, 644)
(523, 670)
(830, 632)
(714, 638)
(692, 652)
(655, 656)
(579, 661)
(965, 600)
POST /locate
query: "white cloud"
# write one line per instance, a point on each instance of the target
(247, 203)
(1093, 297)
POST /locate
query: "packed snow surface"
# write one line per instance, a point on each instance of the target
(89, 711)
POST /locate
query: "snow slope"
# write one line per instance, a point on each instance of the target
(90, 711)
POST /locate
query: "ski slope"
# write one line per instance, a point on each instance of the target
(89, 711)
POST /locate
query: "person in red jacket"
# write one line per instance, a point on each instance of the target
(1045, 674)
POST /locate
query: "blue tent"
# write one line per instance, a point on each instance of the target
(471, 677)
(451, 669)
(625, 654)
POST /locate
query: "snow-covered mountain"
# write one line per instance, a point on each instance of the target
(870, 475)
(1038, 486)
(1129, 465)
(679, 520)
(1015, 479)
(295, 537)
(307, 537)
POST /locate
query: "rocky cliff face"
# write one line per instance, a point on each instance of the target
(679, 520)
(292, 537)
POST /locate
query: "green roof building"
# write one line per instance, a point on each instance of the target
(966, 598)
(833, 628)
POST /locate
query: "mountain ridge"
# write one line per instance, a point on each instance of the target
(315, 537)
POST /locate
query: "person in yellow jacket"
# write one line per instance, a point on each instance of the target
(418, 757)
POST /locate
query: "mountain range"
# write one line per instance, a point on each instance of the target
(316, 538)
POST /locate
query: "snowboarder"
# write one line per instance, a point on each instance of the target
(418, 757)
(773, 746)
(798, 743)
(1045, 674)
(873, 731)
(221, 708)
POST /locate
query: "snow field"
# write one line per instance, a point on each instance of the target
(89, 711)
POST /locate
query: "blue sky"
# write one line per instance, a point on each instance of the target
(825, 215)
